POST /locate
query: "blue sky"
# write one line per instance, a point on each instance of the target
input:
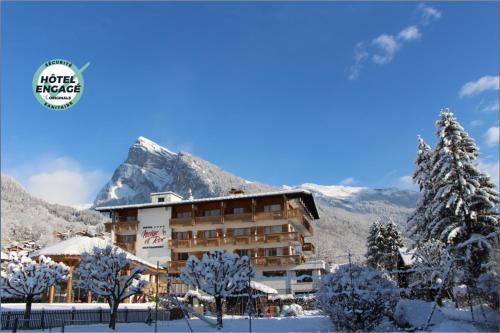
(282, 93)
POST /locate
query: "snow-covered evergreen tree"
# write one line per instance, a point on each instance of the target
(375, 245)
(26, 279)
(463, 198)
(104, 272)
(418, 221)
(392, 242)
(218, 274)
(356, 297)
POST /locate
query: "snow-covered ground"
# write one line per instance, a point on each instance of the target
(231, 324)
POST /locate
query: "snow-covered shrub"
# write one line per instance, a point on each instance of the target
(357, 297)
(102, 272)
(292, 310)
(414, 313)
(433, 269)
(26, 279)
(218, 274)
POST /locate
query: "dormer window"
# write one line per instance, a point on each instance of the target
(161, 199)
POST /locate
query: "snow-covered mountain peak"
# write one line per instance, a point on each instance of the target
(151, 146)
(335, 191)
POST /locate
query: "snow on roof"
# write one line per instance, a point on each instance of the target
(406, 256)
(167, 192)
(77, 245)
(228, 197)
(313, 264)
(262, 287)
(4, 256)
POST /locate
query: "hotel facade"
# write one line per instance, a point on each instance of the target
(270, 228)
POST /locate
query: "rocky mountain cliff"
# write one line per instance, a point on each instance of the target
(346, 212)
(26, 218)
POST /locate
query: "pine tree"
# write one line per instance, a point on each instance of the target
(374, 244)
(418, 221)
(392, 244)
(463, 197)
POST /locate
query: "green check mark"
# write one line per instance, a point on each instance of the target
(84, 67)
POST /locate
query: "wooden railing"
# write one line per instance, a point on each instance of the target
(277, 260)
(121, 226)
(181, 221)
(235, 240)
(246, 217)
(177, 265)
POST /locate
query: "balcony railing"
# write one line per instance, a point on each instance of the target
(235, 240)
(277, 260)
(245, 217)
(177, 265)
(121, 226)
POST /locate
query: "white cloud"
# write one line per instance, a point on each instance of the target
(406, 182)
(492, 136)
(492, 107)
(492, 169)
(476, 122)
(360, 56)
(485, 83)
(428, 13)
(388, 46)
(348, 181)
(383, 48)
(60, 180)
(410, 33)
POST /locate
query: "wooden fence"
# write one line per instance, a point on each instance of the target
(44, 319)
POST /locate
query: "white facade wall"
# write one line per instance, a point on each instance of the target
(153, 234)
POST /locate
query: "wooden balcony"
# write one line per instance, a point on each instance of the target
(121, 226)
(269, 216)
(277, 260)
(272, 261)
(246, 217)
(208, 220)
(308, 248)
(181, 221)
(235, 240)
(176, 265)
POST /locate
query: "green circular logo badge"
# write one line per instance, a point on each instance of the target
(58, 84)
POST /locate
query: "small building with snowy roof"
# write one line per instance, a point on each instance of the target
(69, 252)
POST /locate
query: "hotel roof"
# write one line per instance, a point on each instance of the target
(305, 195)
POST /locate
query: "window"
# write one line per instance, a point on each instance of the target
(272, 229)
(182, 256)
(181, 215)
(210, 233)
(273, 273)
(241, 232)
(182, 235)
(131, 218)
(212, 212)
(304, 275)
(128, 238)
(238, 210)
(273, 252)
(243, 253)
(161, 199)
(272, 208)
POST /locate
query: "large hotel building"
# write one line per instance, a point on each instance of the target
(269, 228)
